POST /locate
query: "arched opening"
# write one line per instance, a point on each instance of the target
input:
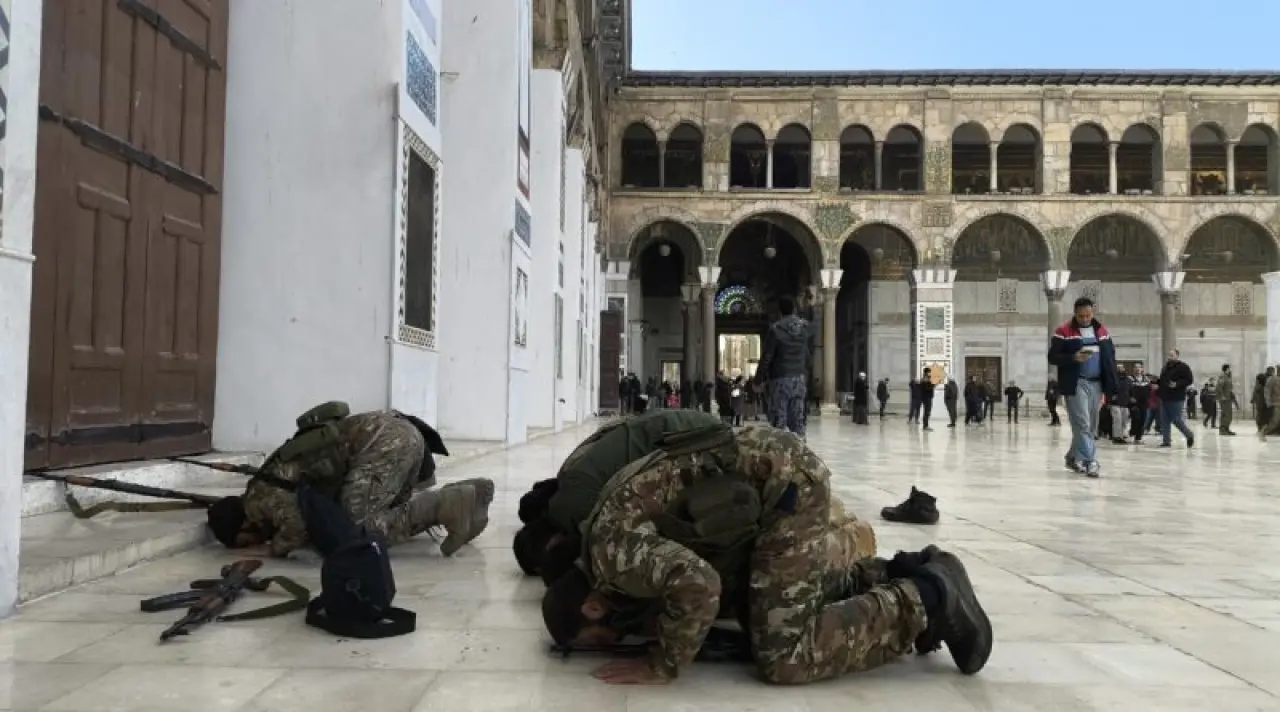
(664, 256)
(1229, 249)
(1256, 164)
(1090, 161)
(902, 160)
(1139, 161)
(792, 157)
(748, 158)
(874, 252)
(857, 159)
(970, 160)
(769, 256)
(1018, 161)
(999, 247)
(1115, 248)
(1208, 160)
(683, 158)
(641, 165)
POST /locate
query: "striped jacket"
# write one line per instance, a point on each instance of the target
(1063, 346)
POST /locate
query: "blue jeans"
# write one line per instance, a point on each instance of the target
(1171, 415)
(1083, 409)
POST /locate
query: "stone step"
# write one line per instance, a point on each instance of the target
(58, 551)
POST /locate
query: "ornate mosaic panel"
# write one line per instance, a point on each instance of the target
(935, 347)
(523, 224)
(1242, 298)
(1007, 296)
(406, 334)
(936, 214)
(421, 80)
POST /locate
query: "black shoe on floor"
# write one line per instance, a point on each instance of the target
(960, 623)
(1191, 441)
(919, 508)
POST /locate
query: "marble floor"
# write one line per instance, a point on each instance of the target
(1156, 587)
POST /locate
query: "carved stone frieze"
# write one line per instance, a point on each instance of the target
(709, 233)
(834, 219)
(937, 214)
(826, 184)
(937, 167)
(716, 149)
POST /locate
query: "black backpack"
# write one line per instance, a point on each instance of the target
(356, 585)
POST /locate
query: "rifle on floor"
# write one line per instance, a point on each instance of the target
(249, 470)
(187, 500)
(207, 599)
(720, 646)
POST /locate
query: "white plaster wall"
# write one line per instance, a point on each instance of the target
(547, 110)
(575, 323)
(19, 163)
(307, 217)
(480, 127)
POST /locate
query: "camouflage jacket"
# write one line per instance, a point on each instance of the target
(274, 509)
(625, 554)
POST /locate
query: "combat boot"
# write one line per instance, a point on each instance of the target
(957, 618)
(455, 512)
(484, 497)
(906, 564)
(919, 508)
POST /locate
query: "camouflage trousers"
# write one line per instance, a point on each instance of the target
(814, 614)
(420, 512)
(851, 539)
(382, 475)
(787, 403)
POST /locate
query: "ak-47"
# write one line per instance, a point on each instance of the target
(720, 646)
(249, 470)
(187, 500)
(208, 598)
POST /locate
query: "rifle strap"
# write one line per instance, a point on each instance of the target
(109, 506)
(299, 601)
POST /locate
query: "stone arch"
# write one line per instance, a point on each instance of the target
(896, 259)
(796, 222)
(1139, 160)
(1019, 159)
(1207, 142)
(998, 245)
(1116, 246)
(1254, 248)
(665, 254)
(682, 160)
(872, 251)
(748, 157)
(1090, 159)
(882, 129)
(1257, 161)
(902, 158)
(1110, 129)
(773, 253)
(639, 156)
(651, 216)
(857, 158)
(1008, 121)
(970, 159)
(793, 157)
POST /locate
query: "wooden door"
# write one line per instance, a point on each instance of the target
(127, 230)
(610, 351)
(987, 369)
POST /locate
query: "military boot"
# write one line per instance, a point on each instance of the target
(906, 564)
(455, 512)
(957, 619)
(919, 508)
(484, 497)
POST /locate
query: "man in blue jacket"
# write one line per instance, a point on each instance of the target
(1086, 361)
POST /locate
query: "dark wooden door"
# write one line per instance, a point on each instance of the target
(987, 369)
(610, 354)
(127, 230)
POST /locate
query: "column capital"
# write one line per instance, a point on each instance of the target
(710, 277)
(1271, 279)
(1168, 282)
(1055, 282)
(617, 269)
(933, 277)
(690, 293)
(831, 279)
(1113, 145)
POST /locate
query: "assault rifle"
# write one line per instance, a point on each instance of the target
(249, 470)
(208, 598)
(187, 500)
(720, 646)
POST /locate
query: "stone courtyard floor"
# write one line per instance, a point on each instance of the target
(1155, 588)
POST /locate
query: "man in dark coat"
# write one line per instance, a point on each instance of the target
(950, 393)
(1086, 360)
(784, 366)
(861, 399)
(882, 395)
(1175, 379)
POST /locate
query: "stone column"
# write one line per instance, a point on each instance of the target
(995, 166)
(1054, 283)
(1168, 285)
(662, 164)
(1231, 167)
(1272, 280)
(768, 177)
(1112, 149)
(933, 326)
(879, 165)
(690, 310)
(710, 283)
(830, 291)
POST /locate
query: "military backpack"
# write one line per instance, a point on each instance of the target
(317, 449)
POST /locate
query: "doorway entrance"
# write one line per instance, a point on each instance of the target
(987, 369)
(739, 354)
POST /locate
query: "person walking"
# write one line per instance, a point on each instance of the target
(1086, 360)
(1012, 397)
(1261, 413)
(784, 366)
(950, 393)
(861, 399)
(882, 395)
(913, 395)
(972, 402)
(1209, 403)
(1051, 399)
(1227, 402)
(1175, 379)
(1118, 403)
(926, 399)
(1271, 394)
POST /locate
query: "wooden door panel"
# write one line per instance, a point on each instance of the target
(610, 354)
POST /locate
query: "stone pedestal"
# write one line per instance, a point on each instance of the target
(1272, 280)
(933, 325)
(690, 311)
(1168, 285)
(710, 284)
(830, 290)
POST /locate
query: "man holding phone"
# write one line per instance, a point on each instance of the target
(1086, 361)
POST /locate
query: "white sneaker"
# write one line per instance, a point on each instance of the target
(1092, 469)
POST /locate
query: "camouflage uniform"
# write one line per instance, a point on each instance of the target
(385, 454)
(421, 511)
(787, 403)
(799, 560)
